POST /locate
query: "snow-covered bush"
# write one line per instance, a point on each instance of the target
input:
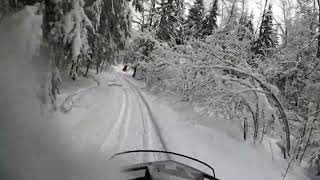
(294, 69)
(214, 73)
(141, 47)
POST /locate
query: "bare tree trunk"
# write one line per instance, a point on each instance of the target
(307, 144)
(98, 66)
(134, 71)
(292, 159)
(285, 29)
(143, 21)
(88, 67)
(78, 64)
(263, 131)
(71, 69)
(256, 119)
(151, 12)
(302, 137)
(262, 17)
(102, 65)
(318, 50)
(243, 8)
(231, 12)
(245, 129)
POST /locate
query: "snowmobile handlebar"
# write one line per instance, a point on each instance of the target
(165, 152)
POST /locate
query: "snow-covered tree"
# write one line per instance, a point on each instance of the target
(195, 18)
(170, 27)
(232, 16)
(75, 24)
(215, 73)
(94, 11)
(245, 29)
(114, 30)
(145, 13)
(210, 22)
(5, 8)
(266, 41)
(8, 7)
(273, 88)
(73, 40)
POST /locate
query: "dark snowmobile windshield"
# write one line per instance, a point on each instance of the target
(169, 169)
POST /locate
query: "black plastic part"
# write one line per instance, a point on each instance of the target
(165, 152)
(147, 175)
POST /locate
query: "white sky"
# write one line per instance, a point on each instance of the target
(254, 6)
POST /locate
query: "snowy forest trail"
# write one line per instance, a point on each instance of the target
(135, 126)
(109, 114)
(109, 117)
(118, 115)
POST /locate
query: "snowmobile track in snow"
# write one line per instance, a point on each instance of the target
(135, 126)
(120, 123)
(153, 124)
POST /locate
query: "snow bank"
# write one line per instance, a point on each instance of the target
(206, 139)
(31, 146)
(231, 158)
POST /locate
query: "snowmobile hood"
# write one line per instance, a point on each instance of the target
(165, 170)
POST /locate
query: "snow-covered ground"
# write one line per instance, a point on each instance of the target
(103, 115)
(119, 114)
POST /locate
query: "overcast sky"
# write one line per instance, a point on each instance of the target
(254, 6)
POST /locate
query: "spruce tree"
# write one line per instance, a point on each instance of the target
(249, 24)
(210, 22)
(245, 29)
(68, 29)
(152, 13)
(112, 27)
(195, 18)
(115, 22)
(267, 37)
(170, 27)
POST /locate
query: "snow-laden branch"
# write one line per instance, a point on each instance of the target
(314, 114)
(266, 87)
(250, 90)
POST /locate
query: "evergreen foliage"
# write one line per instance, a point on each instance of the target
(170, 27)
(246, 30)
(195, 18)
(266, 41)
(210, 22)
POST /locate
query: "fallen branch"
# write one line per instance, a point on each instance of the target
(114, 84)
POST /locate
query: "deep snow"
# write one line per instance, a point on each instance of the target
(120, 114)
(102, 115)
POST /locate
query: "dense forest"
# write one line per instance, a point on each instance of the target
(260, 71)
